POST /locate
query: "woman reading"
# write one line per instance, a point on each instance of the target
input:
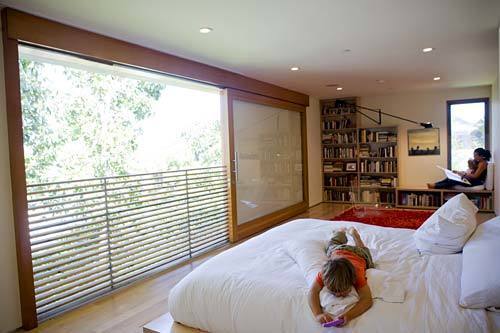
(476, 174)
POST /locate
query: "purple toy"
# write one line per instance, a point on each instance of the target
(334, 323)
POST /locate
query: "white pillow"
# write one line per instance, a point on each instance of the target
(480, 267)
(447, 230)
(309, 254)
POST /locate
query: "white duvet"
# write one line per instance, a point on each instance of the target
(256, 287)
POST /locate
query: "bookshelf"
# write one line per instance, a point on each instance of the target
(434, 198)
(360, 165)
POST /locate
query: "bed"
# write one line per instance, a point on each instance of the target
(257, 287)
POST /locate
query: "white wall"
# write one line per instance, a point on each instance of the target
(495, 129)
(416, 171)
(10, 309)
(314, 152)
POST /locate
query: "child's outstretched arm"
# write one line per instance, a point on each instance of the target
(365, 302)
(357, 238)
(315, 305)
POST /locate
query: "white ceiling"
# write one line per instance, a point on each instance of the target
(262, 39)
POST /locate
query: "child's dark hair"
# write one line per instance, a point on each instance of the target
(484, 153)
(338, 275)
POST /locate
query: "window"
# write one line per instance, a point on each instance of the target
(468, 129)
(124, 174)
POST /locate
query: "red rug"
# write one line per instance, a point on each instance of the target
(385, 217)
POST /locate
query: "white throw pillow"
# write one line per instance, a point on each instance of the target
(480, 267)
(447, 230)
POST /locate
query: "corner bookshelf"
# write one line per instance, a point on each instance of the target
(359, 164)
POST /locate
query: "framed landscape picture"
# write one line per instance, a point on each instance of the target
(423, 142)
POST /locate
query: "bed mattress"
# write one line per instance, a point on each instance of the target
(257, 287)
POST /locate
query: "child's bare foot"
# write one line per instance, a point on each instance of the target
(343, 229)
(354, 232)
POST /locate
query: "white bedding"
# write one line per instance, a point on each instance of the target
(256, 287)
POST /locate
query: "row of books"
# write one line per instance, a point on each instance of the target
(338, 138)
(365, 152)
(335, 110)
(338, 124)
(348, 196)
(346, 181)
(481, 201)
(420, 199)
(376, 136)
(378, 181)
(368, 196)
(378, 166)
(333, 167)
(336, 152)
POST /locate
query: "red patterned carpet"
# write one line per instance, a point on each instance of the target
(385, 217)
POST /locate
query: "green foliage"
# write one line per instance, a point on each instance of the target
(79, 123)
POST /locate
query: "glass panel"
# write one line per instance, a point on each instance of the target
(268, 159)
(467, 132)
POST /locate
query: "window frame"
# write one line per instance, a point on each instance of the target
(449, 103)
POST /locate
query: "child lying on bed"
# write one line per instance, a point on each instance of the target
(344, 269)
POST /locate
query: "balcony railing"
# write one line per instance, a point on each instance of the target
(91, 236)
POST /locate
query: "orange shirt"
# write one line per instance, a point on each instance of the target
(359, 267)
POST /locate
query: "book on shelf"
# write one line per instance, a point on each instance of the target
(378, 166)
(343, 181)
(332, 195)
(338, 124)
(339, 152)
(339, 138)
(420, 199)
(374, 181)
(368, 136)
(338, 110)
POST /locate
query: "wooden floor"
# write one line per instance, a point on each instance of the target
(129, 309)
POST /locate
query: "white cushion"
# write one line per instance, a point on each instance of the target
(490, 175)
(447, 230)
(480, 267)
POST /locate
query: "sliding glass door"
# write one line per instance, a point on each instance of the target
(267, 161)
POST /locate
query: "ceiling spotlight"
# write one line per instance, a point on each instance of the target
(332, 85)
(205, 30)
(346, 50)
(380, 81)
(294, 68)
(339, 88)
(427, 49)
(437, 78)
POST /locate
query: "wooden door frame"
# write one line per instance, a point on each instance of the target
(237, 232)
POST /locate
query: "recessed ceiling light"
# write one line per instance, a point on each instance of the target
(332, 85)
(339, 88)
(205, 30)
(427, 49)
(380, 81)
(295, 68)
(347, 50)
(437, 78)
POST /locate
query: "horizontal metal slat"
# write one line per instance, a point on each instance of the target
(128, 276)
(66, 234)
(40, 226)
(139, 204)
(196, 240)
(59, 217)
(151, 224)
(193, 207)
(74, 241)
(55, 211)
(139, 257)
(136, 241)
(118, 275)
(159, 243)
(47, 290)
(59, 189)
(199, 249)
(41, 206)
(57, 303)
(154, 206)
(65, 196)
(112, 201)
(49, 268)
(66, 250)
